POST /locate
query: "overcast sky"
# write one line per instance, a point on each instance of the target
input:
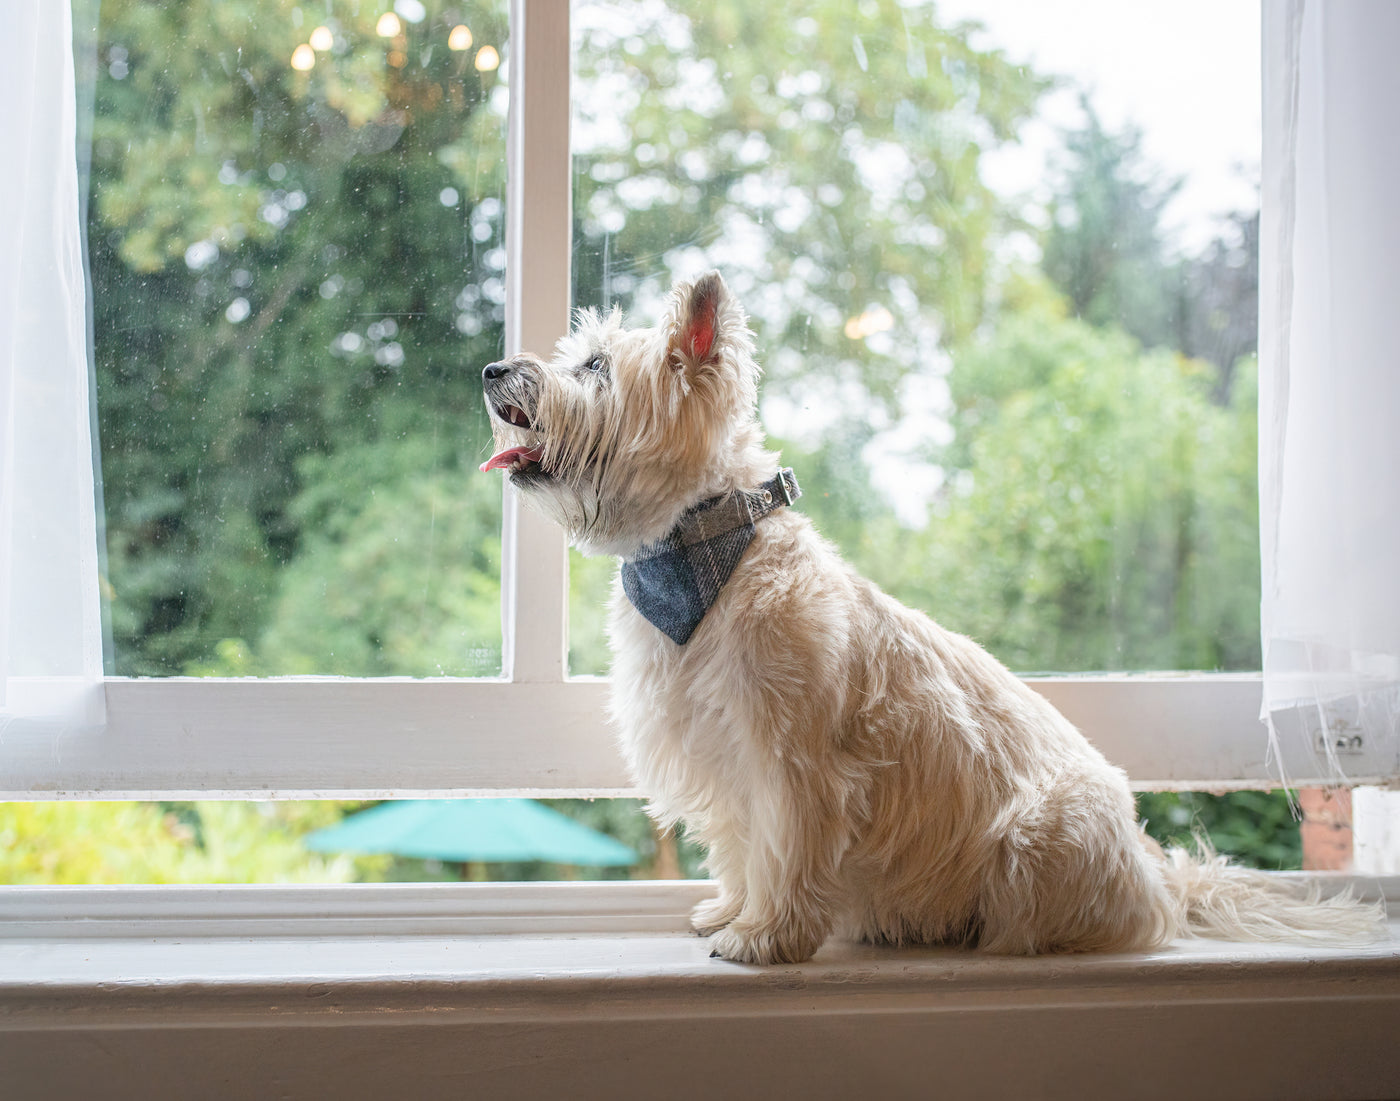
(1186, 71)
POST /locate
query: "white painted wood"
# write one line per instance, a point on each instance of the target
(449, 1012)
(1196, 732)
(323, 738)
(361, 909)
(334, 738)
(527, 974)
(534, 595)
(1295, 1032)
(255, 911)
(539, 234)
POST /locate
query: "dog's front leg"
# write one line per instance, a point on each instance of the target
(796, 840)
(725, 863)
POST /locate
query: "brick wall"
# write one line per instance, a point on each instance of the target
(1326, 829)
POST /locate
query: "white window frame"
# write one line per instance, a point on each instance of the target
(535, 730)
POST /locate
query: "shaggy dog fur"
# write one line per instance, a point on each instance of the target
(851, 766)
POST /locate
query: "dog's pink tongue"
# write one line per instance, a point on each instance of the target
(509, 455)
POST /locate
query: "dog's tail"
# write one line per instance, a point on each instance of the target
(1215, 898)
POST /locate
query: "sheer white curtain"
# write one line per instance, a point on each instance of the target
(1329, 473)
(50, 628)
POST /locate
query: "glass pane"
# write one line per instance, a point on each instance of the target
(1003, 280)
(337, 842)
(267, 842)
(295, 232)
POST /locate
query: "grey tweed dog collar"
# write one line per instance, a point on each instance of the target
(674, 581)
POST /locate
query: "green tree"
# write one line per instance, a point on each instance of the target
(829, 160)
(398, 573)
(1106, 250)
(1104, 247)
(1220, 310)
(1099, 509)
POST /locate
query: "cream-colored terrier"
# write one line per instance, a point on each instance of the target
(851, 765)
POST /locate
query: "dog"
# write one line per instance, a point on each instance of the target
(851, 766)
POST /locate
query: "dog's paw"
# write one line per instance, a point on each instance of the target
(713, 914)
(743, 943)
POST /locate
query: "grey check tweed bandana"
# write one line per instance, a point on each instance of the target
(674, 581)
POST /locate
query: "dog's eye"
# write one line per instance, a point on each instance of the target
(597, 365)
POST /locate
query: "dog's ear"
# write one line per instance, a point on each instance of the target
(699, 314)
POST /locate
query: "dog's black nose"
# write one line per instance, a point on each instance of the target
(493, 371)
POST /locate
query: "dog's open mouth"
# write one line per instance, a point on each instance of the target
(516, 459)
(513, 414)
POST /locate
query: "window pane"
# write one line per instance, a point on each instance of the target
(337, 842)
(272, 842)
(296, 242)
(1006, 313)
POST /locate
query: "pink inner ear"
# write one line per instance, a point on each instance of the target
(702, 335)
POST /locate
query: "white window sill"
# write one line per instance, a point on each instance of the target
(583, 989)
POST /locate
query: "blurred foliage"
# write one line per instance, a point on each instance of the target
(1101, 510)
(294, 273)
(829, 161)
(1104, 246)
(248, 842)
(1257, 828)
(1105, 249)
(298, 273)
(401, 578)
(590, 583)
(207, 842)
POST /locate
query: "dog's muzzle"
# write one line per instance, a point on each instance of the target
(503, 385)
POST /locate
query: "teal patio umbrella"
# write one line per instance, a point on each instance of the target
(471, 830)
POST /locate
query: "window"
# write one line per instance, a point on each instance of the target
(236, 961)
(297, 244)
(526, 725)
(1013, 370)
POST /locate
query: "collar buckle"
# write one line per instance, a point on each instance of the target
(783, 487)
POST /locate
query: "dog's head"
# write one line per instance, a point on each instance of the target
(627, 428)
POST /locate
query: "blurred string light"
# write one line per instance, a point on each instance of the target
(390, 25)
(877, 319)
